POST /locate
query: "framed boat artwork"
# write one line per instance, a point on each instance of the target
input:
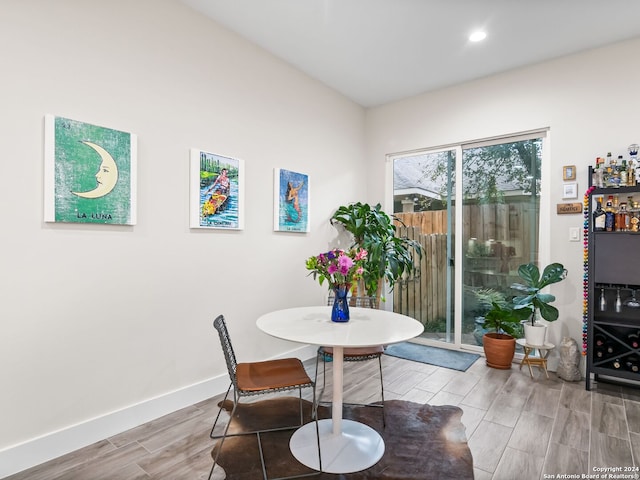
(291, 201)
(217, 191)
(89, 173)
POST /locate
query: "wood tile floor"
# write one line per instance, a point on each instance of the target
(517, 427)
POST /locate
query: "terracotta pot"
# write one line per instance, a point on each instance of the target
(499, 349)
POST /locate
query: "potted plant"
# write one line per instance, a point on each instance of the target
(499, 343)
(389, 256)
(478, 301)
(533, 302)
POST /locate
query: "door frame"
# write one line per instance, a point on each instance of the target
(544, 228)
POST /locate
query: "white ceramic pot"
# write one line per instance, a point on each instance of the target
(535, 334)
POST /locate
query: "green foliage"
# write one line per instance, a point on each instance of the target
(502, 319)
(389, 256)
(484, 299)
(485, 168)
(533, 300)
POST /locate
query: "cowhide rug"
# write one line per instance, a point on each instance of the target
(422, 442)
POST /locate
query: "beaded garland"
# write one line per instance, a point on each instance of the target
(585, 277)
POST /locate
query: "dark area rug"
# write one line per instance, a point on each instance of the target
(422, 442)
(440, 357)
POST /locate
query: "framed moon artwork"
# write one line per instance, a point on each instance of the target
(217, 191)
(89, 173)
(291, 201)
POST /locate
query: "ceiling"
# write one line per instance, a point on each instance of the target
(379, 51)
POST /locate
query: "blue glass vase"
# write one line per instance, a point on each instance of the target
(340, 310)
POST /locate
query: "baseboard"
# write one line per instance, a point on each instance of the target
(38, 450)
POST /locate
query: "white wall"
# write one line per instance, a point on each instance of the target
(106, 326)
(590, 103)
(96, 319)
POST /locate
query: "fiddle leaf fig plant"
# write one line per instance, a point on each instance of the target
(533, 300)
(389, 256)
(502, 319)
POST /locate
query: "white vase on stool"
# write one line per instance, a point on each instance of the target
(535, 334)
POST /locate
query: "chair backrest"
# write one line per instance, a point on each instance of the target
(225, 341)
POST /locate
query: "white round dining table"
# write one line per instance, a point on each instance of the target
(346, 446)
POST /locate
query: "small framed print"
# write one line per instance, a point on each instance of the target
(291, 201)
(570, 190)
(217, 191)
(569, 172)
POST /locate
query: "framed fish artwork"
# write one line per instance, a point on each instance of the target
(89, 173)
(291, 201)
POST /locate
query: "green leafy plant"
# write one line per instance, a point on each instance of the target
(389, 256)
(502, 319)
(533, 300)
(484, 298)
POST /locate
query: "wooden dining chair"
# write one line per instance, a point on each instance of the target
(256, 378)
(354, 354)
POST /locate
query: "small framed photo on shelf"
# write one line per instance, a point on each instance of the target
(569, 172)
(570, 190)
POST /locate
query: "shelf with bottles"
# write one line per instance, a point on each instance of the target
(613, 173)
(617, 348)
(617, 304)
(616, 212)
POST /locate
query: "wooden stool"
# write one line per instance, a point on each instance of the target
(539, 361)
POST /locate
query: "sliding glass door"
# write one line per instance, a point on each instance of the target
(424, 204)
(477, 247)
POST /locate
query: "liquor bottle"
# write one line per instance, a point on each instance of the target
(598, 216)
(621, 217)
(622, 168)
(633, 157)
(632, 363)
(614, 171)
(628, 213)
(631, 174)
(633, 340)
(599, 179)
(609, 215)
(604, 173)
(603, 301)
(618, 304)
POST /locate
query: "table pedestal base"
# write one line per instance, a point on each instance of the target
(356, 448)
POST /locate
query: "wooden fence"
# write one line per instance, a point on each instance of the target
(423, 295)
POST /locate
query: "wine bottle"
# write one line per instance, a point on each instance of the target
(633, 364)
(603, 301)
(633, 340)
(616, 363)
(618, 302)
(599, 339)
(599, 352)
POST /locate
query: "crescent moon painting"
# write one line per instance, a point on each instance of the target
(89, 173)
(107, 175)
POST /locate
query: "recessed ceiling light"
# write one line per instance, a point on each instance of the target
(477, 36)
